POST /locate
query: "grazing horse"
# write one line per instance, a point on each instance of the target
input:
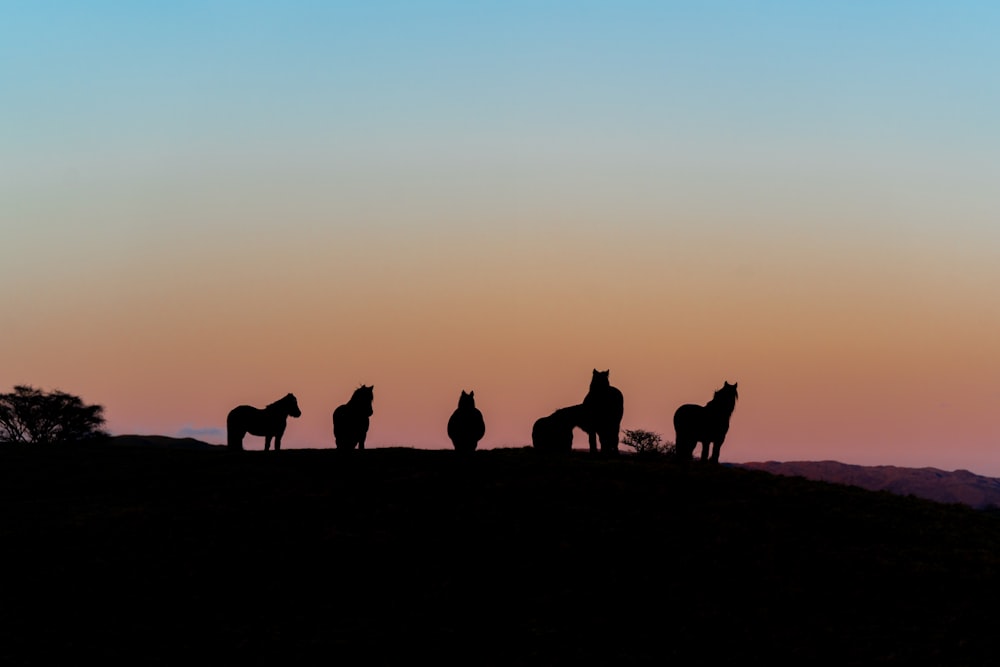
(555, 432)
(706, 424)
(466, 426)
(269, 422)
(603, 407)
(350, 421)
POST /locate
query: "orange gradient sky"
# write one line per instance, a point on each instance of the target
(502, 201)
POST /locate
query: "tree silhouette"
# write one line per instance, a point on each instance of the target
(31, 415)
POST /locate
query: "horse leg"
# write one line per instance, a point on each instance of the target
(565, 441)
(706, 445)
(682, 450)
(715, 451)
(277, 442)
(609, 442)
(592, 439)
(361, 440)
(267, 442)
(235, 438)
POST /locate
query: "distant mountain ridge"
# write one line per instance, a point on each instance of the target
(960, 486)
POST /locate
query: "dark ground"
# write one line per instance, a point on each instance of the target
(398, 556)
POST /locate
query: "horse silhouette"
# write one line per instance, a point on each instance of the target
(706, 424)
(555, 432)
(350, 421)
(269, 422)
(466, 426)
(601, 416)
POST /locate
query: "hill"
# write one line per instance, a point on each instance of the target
(960, 486)
(158, 556)
(159, 442)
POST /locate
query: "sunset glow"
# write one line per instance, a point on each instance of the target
(217, 204)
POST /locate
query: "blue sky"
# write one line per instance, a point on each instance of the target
(816, 181)
(205, 68)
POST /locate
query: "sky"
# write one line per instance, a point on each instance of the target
(208, 204)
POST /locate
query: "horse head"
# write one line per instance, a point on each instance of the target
(726, 396)
(600, 379)
(467, 400)
(291, 406)
(363, 396)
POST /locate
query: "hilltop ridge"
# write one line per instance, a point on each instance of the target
(959, 486)
(497, 558)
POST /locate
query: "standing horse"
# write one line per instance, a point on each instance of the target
(350, 421)
(269, 422)
(602, 411)
(706, 424)
(466, 426)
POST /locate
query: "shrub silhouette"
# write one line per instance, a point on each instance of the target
(30, 415)
(466, 426)
(601, 416)
(351, 420)
(269, 422)
(647, 443)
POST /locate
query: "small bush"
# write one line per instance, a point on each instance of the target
(647, 443)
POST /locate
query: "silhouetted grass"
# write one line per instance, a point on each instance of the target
(392, 556)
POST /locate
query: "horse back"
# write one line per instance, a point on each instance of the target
(240, 416)
(349, 422)
(256, 421)
(699, 421)
(689, 416)
(466, 423)
(555, 432)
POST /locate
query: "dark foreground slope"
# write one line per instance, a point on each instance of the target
(402, 556)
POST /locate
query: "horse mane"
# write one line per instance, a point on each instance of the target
(362, 393)
(281, 401)
(724, 399)
(362, 399)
